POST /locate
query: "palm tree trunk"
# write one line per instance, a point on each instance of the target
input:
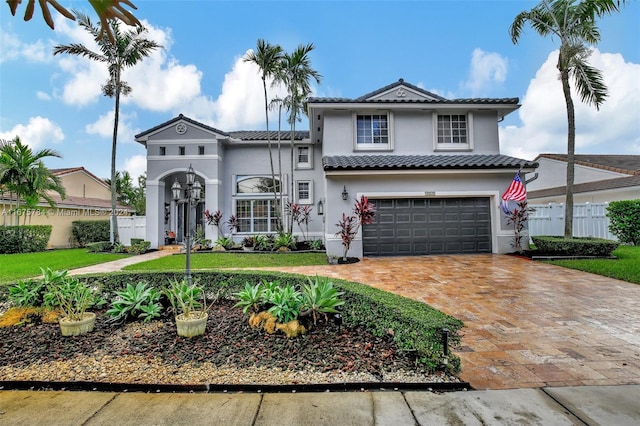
(281, 205)
(113, 232)
(571, 148)
(273, 174)
(293, 182)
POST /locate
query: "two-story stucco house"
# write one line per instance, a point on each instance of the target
(432, 167)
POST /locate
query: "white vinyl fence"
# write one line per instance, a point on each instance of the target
(589, 220)
(131, 227)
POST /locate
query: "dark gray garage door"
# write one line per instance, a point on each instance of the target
(428, 226)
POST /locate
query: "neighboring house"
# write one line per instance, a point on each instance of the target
(431, 165)
(598, 179)
(87, 198)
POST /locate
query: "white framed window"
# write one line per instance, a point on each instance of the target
(304, 158)
(304, 191)
(373, 131)
(255, 207)
(453, 132)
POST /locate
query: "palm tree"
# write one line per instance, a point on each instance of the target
(268, 58)
(128, 49)
(296, 74)
(574, 23)
(23, 174)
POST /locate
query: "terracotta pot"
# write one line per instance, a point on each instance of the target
(74, 328)
(193, 326)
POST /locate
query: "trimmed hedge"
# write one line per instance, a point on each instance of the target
(90, 231)
(24, 239)
(415, 326)
(576, 246)
(624, 219)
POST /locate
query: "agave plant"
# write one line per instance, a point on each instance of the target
(250, 297)
(137, 301)
(320, 297)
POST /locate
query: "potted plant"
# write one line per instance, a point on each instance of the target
(73, 298)
(190, 314)
(248, 243)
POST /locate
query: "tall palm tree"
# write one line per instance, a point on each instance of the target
(23, 174)
(297, 75)
(574, 23)
(268, 58)
(128, 49)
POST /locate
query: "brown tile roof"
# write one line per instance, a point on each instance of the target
(627, 164)
(600, 185)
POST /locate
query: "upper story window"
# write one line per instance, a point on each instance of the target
(163, 150)
(453, 132)
(201, 150)
(303, 160)
(373, 131)
(181, 150)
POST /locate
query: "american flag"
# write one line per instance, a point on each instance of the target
(515, 192)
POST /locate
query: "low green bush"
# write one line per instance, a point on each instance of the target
(140, 247)
(135, 241)
(24, 239)
(90, 231)
(98, 247)
(574, 246)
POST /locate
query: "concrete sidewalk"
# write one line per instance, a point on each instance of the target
(597, 405)
(116, 265)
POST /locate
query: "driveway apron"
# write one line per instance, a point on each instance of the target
(528, 324)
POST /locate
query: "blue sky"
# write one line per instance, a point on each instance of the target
(458, 49)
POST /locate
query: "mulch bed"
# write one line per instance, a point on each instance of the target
(228, 343)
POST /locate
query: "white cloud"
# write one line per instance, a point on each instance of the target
(14, 49)
(43, 96)
(136, 166)
(615, 129)
(38, 133)
(487, 69)
(103, 127)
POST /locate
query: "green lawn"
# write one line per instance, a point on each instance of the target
(626, 267)
(23, 265)
(230, 260)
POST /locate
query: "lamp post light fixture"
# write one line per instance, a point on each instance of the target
(191, 197)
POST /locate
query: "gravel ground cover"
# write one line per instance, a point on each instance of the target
(229, 353)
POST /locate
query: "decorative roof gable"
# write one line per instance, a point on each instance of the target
(400, 91)
(144, 136)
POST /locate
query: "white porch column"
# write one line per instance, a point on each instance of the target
(155, 214)
(212, 202)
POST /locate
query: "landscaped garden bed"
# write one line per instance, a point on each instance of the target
(378, 337)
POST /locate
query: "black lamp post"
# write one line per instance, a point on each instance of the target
(191, 197)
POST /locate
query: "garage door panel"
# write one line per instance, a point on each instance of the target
(429, 226)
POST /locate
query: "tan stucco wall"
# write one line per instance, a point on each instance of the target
(60, 219)
(80, 184)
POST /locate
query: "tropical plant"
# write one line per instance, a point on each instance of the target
(363, 214)
(296, 74)
(118, 248)
(518, 218)
(248, 241)
(122, 51)
(285, 240)
(301, 215)
(268, 58)
(250, 298)
(574, 23)
(128, 194)
(23, 174)
(26, 293)
(185, 298)
(263, 242)
(286, 303)
(135, 302)
(72, 296)
(224, 242)
(106, 10)
(320, 297)
(316, 245)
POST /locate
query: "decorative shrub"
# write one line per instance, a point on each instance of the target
(135, 241)
(98, 247)
(24, 239)
(575, 246)
(625, 220)
(90, 231)
(140, 247)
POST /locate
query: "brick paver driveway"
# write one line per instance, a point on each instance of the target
(528, 324)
